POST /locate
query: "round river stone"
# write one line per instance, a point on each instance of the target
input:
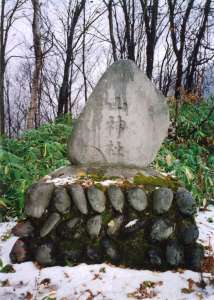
(161, 230)
(50, 223)
(194, 257)
(110, 249)
(44, 255)
(19, 252)
(96, 199)
(23, 229)
(116, 198)
(71, 224)
(154, 257)
(137, 199)
(37, 199)
(61, 200)
(162, 200)
(174, 254)
(188, 232)
(185, 202)
(78, 196)
(94, 225)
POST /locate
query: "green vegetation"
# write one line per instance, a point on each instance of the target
(191, 157)
(37, 152)
(28, 158)
(6, 268)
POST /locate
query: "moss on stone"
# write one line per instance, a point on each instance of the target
(134, 249)
(106, 217)
(160, 181)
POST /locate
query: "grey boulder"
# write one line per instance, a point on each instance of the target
(37, 199)
(162, 200)
(154, 257)
(78, 196)
(96, 199)
(71, 224)
(19, 252)
(61, 200)
(188, 232)
(137, 199)
(94, 225)
(194, 257)
(44, 255)
(23, 229)
(185, 202)
(116, 198)
(161, 230)
(174, 254)
(50, 224)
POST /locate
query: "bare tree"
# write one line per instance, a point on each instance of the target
(73, 17)
(178, 39)
(150, 13)
(193, 60)
(32, 116)
(7, 19)
(2, 68)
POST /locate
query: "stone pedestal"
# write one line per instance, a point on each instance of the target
(136, 222)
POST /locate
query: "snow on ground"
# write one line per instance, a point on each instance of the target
(87, 282)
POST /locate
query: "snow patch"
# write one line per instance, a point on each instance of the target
(104, 281)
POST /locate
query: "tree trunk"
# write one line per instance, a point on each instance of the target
(32, 115)
(111, 30)
(2, 69)
(64, 89)
(151, 34)
(191, 68)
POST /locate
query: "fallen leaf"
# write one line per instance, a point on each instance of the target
(5, 283)
(45, 281)
(28, 296)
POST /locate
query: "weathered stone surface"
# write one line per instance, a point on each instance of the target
(194, 257)
(94, 225)
(116, 198)
(37, 199)
(19, 252)
(94, 254)
(137, 199)
(23, 229)
(154, 257)
(174, 254)
(162, 200)
(188, 233)
(50, 223)
(123, 123)
(73, 255)
(72, 223)
(161, 230)
(114, 225)
(110, 249)
(61, 200)
(44, 255)
(96, 199)
(185, 202)
(78, 196)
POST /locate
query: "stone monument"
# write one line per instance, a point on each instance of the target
(124, 122)
(108, 205)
